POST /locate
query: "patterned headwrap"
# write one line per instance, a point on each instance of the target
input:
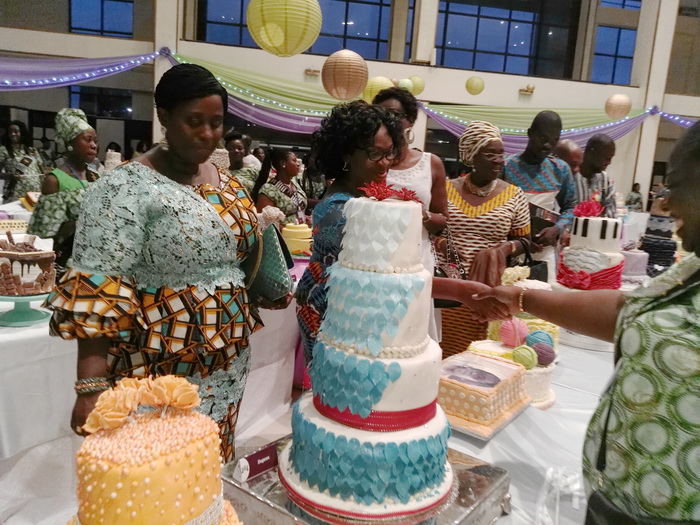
(70, 123)
(475, 137)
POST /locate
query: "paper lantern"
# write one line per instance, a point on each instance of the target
(618, 106)
(406, 83)
(344, 74)
(418, 84)
(475, 85)
(374, 86)
(284, 27)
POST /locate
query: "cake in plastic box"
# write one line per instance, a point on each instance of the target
(297, 237)
(150, 458)
(593, 259)
(112, 160)
(370, 441)
(26, 264)
(481, 393)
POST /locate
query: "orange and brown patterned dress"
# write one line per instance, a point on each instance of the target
(156, 269)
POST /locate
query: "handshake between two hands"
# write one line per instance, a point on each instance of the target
(489, 303)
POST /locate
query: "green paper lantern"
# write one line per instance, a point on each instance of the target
(284, 27)
(405, 83)
(418, 84)
(374, 86)
(475, 85)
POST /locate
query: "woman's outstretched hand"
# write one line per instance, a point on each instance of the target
(484, 309)
(507, 296)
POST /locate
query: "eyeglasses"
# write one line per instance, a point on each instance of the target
(492, 157)
(375, 155)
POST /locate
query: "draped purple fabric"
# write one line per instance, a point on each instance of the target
(517, 143)
(19, 74)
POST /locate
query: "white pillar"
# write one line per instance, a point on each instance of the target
(425, 18)
(165, 34)
(665, 14)
(420, 128)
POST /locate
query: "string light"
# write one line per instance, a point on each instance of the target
(677, 119)
(80, 77)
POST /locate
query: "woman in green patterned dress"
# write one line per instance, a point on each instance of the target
(642, 451)
(284, 191)
(233, 141)
(57, 211)
(20, 164)
(156, 286)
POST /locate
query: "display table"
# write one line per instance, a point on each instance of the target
(16, 211)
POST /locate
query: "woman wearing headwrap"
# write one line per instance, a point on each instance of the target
(20, 164)
(156, 286)
(57, 211)
(486, 217)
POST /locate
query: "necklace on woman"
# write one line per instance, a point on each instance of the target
(73, 171)
(475, 190)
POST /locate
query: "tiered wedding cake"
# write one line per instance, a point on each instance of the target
(371, 441)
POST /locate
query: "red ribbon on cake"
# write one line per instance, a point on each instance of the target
(379, 421)
(607, 279)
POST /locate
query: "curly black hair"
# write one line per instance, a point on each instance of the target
(349, 127)
(405, 98)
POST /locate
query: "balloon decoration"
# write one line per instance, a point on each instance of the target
(418, 84)
(618, 106)
(406, 83)
(284, 27)
(344, 74)
(374, 86)
(475, 85)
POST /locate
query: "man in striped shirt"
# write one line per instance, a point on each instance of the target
(592, 177)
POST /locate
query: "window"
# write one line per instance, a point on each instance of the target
(101, 102)
(612, 61)
(622, 4)
(362, 26)
(102, 17)
(487, 35)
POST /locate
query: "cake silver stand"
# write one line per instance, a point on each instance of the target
(479, 496)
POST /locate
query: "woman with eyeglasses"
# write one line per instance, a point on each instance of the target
(421, 172)
(487, 217)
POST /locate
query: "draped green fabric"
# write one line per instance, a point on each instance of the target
(311, 99)
(517, 120)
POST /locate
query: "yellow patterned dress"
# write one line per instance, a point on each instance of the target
(477, 228)
(156, 269)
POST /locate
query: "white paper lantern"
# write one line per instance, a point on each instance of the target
(406, 83)
(618, 106)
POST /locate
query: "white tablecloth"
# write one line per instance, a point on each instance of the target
(37, 373)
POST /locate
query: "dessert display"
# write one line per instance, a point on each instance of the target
(150, 458)
(481, 393)
(658, 243)
(635, 272)
(26, 265)
(370, 441)
(593, 260)
(297, 237)
(112, 160)
(31, 198)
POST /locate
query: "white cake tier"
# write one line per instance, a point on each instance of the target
(369, 312)
(382, 236)
(589, 260)
(596, 233)
(364, 384)
(636, 262)
(365, 474)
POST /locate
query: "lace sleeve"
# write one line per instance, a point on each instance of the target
(110, 232)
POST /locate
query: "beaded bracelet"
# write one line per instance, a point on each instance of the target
(521, 297)
(91, 385)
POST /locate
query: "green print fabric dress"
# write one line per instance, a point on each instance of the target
(653, 436)
(292, 202)
(27, 169)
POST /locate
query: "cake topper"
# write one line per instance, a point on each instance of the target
(381, 191)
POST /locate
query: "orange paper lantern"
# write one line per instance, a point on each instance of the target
(344, 74)
(618, 106)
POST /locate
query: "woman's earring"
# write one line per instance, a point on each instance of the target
(345, 166)
(69, 148)
(164, 141)
(409, 135)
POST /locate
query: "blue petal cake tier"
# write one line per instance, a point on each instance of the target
(370, 441)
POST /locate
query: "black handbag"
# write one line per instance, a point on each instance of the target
(538, 269)
(447, 269)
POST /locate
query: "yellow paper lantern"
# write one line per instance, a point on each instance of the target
(406, 83)
(475, 85)
(618, 106)
(284, 27)
(374, 86)
(344, 74)
(418, 84)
